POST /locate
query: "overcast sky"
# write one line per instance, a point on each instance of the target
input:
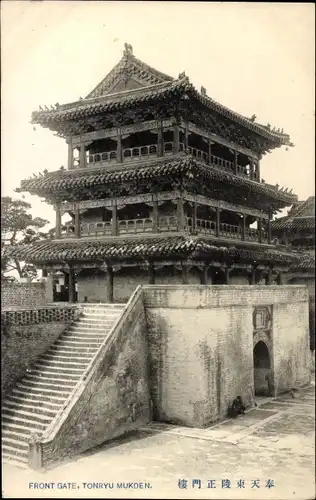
(254, 58)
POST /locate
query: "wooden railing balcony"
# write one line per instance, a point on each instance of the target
(164, 224)
(153, 151)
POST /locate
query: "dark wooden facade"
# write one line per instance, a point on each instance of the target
(159, 176)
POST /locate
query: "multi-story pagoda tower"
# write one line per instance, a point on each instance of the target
(163, 185)
(296, 231)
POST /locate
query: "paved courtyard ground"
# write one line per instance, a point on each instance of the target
(271, 449)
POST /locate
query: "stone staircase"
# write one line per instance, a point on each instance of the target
(43, 391)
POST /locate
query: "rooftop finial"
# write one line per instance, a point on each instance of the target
(128, 50)
(203, 91)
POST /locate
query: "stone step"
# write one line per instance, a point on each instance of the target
(14, 461)
(55, 361)
(9, 451)
(50, 371)
(19, 436)
(75, 343)
(85, 337)
(17, 427)
(81, 328)
(51, 379)
(44, 396)
(67, 351)
(58, 359)
(20, 413)
(14, 443)
(57, 391)
(35, 425)
(93, 321)
(38, 401)
(102, 305)
(41, 410)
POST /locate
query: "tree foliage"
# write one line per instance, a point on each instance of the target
(19, 227)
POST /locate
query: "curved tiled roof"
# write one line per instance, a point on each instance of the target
(301, 216)
(303, 208)
(304, 262)
(157, 86)
(140, 248)
(149, 94)
(127, 66)
(187, 166)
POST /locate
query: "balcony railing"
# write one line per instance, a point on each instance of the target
(165, 224)
(135, 226)
(152, 151)
(96, 229)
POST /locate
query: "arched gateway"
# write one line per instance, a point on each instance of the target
(262, 370)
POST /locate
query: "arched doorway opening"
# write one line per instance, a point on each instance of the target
(263, 381)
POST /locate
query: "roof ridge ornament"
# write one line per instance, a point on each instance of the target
(203, 91)
(128, 50)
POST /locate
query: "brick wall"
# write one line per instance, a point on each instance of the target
(201, 346)
(16, 295)
(25, 336)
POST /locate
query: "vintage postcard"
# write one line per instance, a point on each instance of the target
(158, 250)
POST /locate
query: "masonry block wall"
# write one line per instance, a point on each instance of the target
(201, 346)
(16, 295)
(115, 398)
(291, 345)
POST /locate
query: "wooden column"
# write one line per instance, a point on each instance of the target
(186, 137)
(185, 273)
(236, 162)
(155, 216)
(72, 286)
(160, 141)
(204, 275)
(119, 149)
(114, 220)
(44, 273)
(253, 276)
(151, 274)
(77, 222)
(269, 227)
(258, 170)
(244, 228)
(281, 278)
(218, 221)
(109, 283)
(194, 215)
(251, 168)
(209, 152)
(227, 273)
(58, 221)
(176, 139)
(82, 157)
(269, 277)
(70, 155)
(260, 229)
(180, 214)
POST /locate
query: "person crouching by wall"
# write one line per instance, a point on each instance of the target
(237, 408)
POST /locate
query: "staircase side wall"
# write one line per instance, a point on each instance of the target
(116, 398)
